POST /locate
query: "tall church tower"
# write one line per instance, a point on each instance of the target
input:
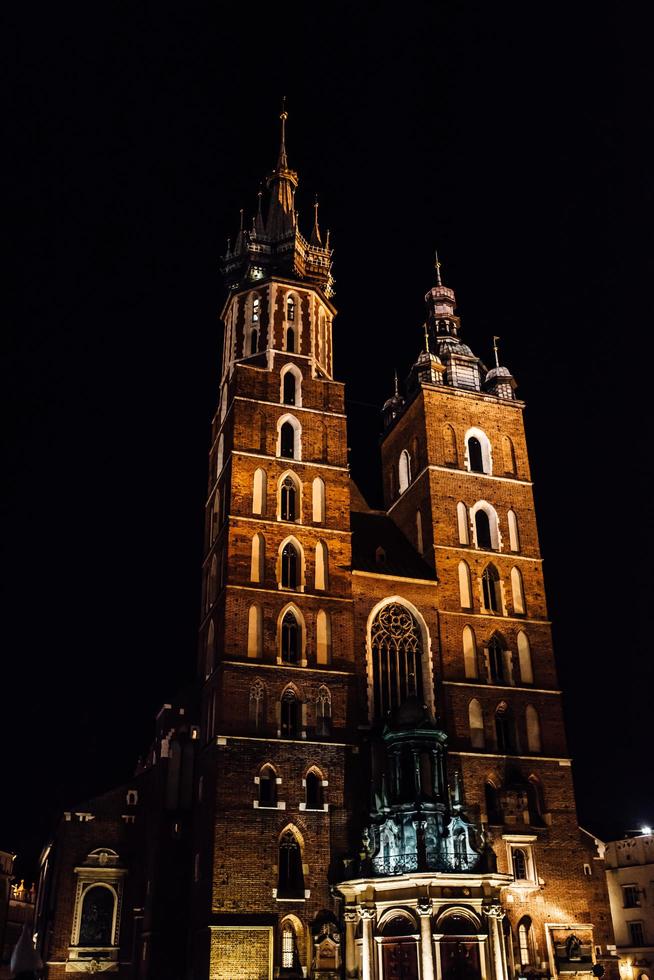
(276, 653)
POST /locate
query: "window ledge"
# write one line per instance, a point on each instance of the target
(279, 805)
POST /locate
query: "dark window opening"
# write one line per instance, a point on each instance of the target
(482, 526)
(290, 309)
(254, 342)
(493, 812)
(504, 731)
(496, 661)
(490, 582)
(290, 651)
(313, 792)
(290, 567)
(268, 787)
(475, 455)
(291, 877)
(289, 388)
(288, 500)
(636, 934)
(287, 441)
(290, 340)
(519, 864)
(96, 927)
(324, 713)
(290, 711)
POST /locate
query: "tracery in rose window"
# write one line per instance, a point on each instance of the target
(396, 658)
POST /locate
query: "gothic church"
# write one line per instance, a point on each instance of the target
(373, 781)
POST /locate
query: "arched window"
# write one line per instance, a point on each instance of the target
(257, 704)
(525, 942)
(257, 559)
(254, 341)
(290, 955)
(524, 659)
(478, 452)
(469, 653)
(465, 589)
(255, 632)
(322, 566)
(290, 340)
(291, 878)
(291, 639)
(496, 661)
(533, 729)
(518, 592)
(213, 580)
(519, 861)
(491, 590)
(291, 390)
(323, 712)
(287, 441)
(290, 714)
(323, 637)
(289, 510)
(536, 802)
(290, 566)
(482, 529)
(493, 812)
(215, 516)
(419, 541)
(462, 523)
(514, 536)
(97, 918)
(256, 309)
(318, 501)
(504, 729)
(476, 721)
(268, 787)
(404, 470)
(313, 787)
(508, 456)
(210, 650)
(219, 455)
(396, 658)
(450, 454)
(259, 492)
(290, 309)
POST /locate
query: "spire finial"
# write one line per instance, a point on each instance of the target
(439, 281)
(315, 232)
(397, 384)
(426, 337)
(282, 162)
(496, 351)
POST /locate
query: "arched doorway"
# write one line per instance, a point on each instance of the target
(459, 947)
(399, 948)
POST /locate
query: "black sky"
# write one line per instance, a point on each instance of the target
(514, 139)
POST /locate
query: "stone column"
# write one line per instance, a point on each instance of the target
(495, 914)
(367, 964)
(426, 941)
(350, 917)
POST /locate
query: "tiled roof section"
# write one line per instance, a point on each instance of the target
(375, 530)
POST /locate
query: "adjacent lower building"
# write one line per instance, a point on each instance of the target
(379, 785)
(630, 877)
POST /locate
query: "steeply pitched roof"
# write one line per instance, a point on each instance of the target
(374, 530)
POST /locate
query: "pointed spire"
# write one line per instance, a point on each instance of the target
(259, 223)
(397, 385)
(240, 237)
(282, 160)
(439, 281)
(496, 351)
(426, 329)
(315, 232)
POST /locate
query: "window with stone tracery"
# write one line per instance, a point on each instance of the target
(396, 658)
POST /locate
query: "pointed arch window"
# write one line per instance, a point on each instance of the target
(524, 658)
(267, 787)
(491, 590)
(404, 471)
(291, 639)
(254, 341)
(291, 877)
(258, 558)
(483, 529)
(287, 441)
(478, 452)
(536, 802)
(469, 653)
(219, 455)
(290, 957)
(323, 712)
(289, 508)
(290, 309)
(504, 729)
(475, 455)
(259, 492)
(462, 523)
(215, 516)
(514, 535)
(290, 714)
(289, 385)
(313, 791)
(534, 741)
(419, 539)
(476, 721)
(257, 704)
(290, 340)
(525, 942)
(508, 456)
(318, 501)
(290, 566)
(323, 637)
(519, 861)
(213, 580)
(496, 665)
(256, 309)
(450, 454)
(518, 591)
(255, 632)
(322, 566)
(396, 658)
(465, 588)
(210, 649)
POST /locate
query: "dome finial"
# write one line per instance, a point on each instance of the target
(426, 329)
(315, 232)
(439, 281)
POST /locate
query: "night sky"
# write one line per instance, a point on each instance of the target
(514, 140)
